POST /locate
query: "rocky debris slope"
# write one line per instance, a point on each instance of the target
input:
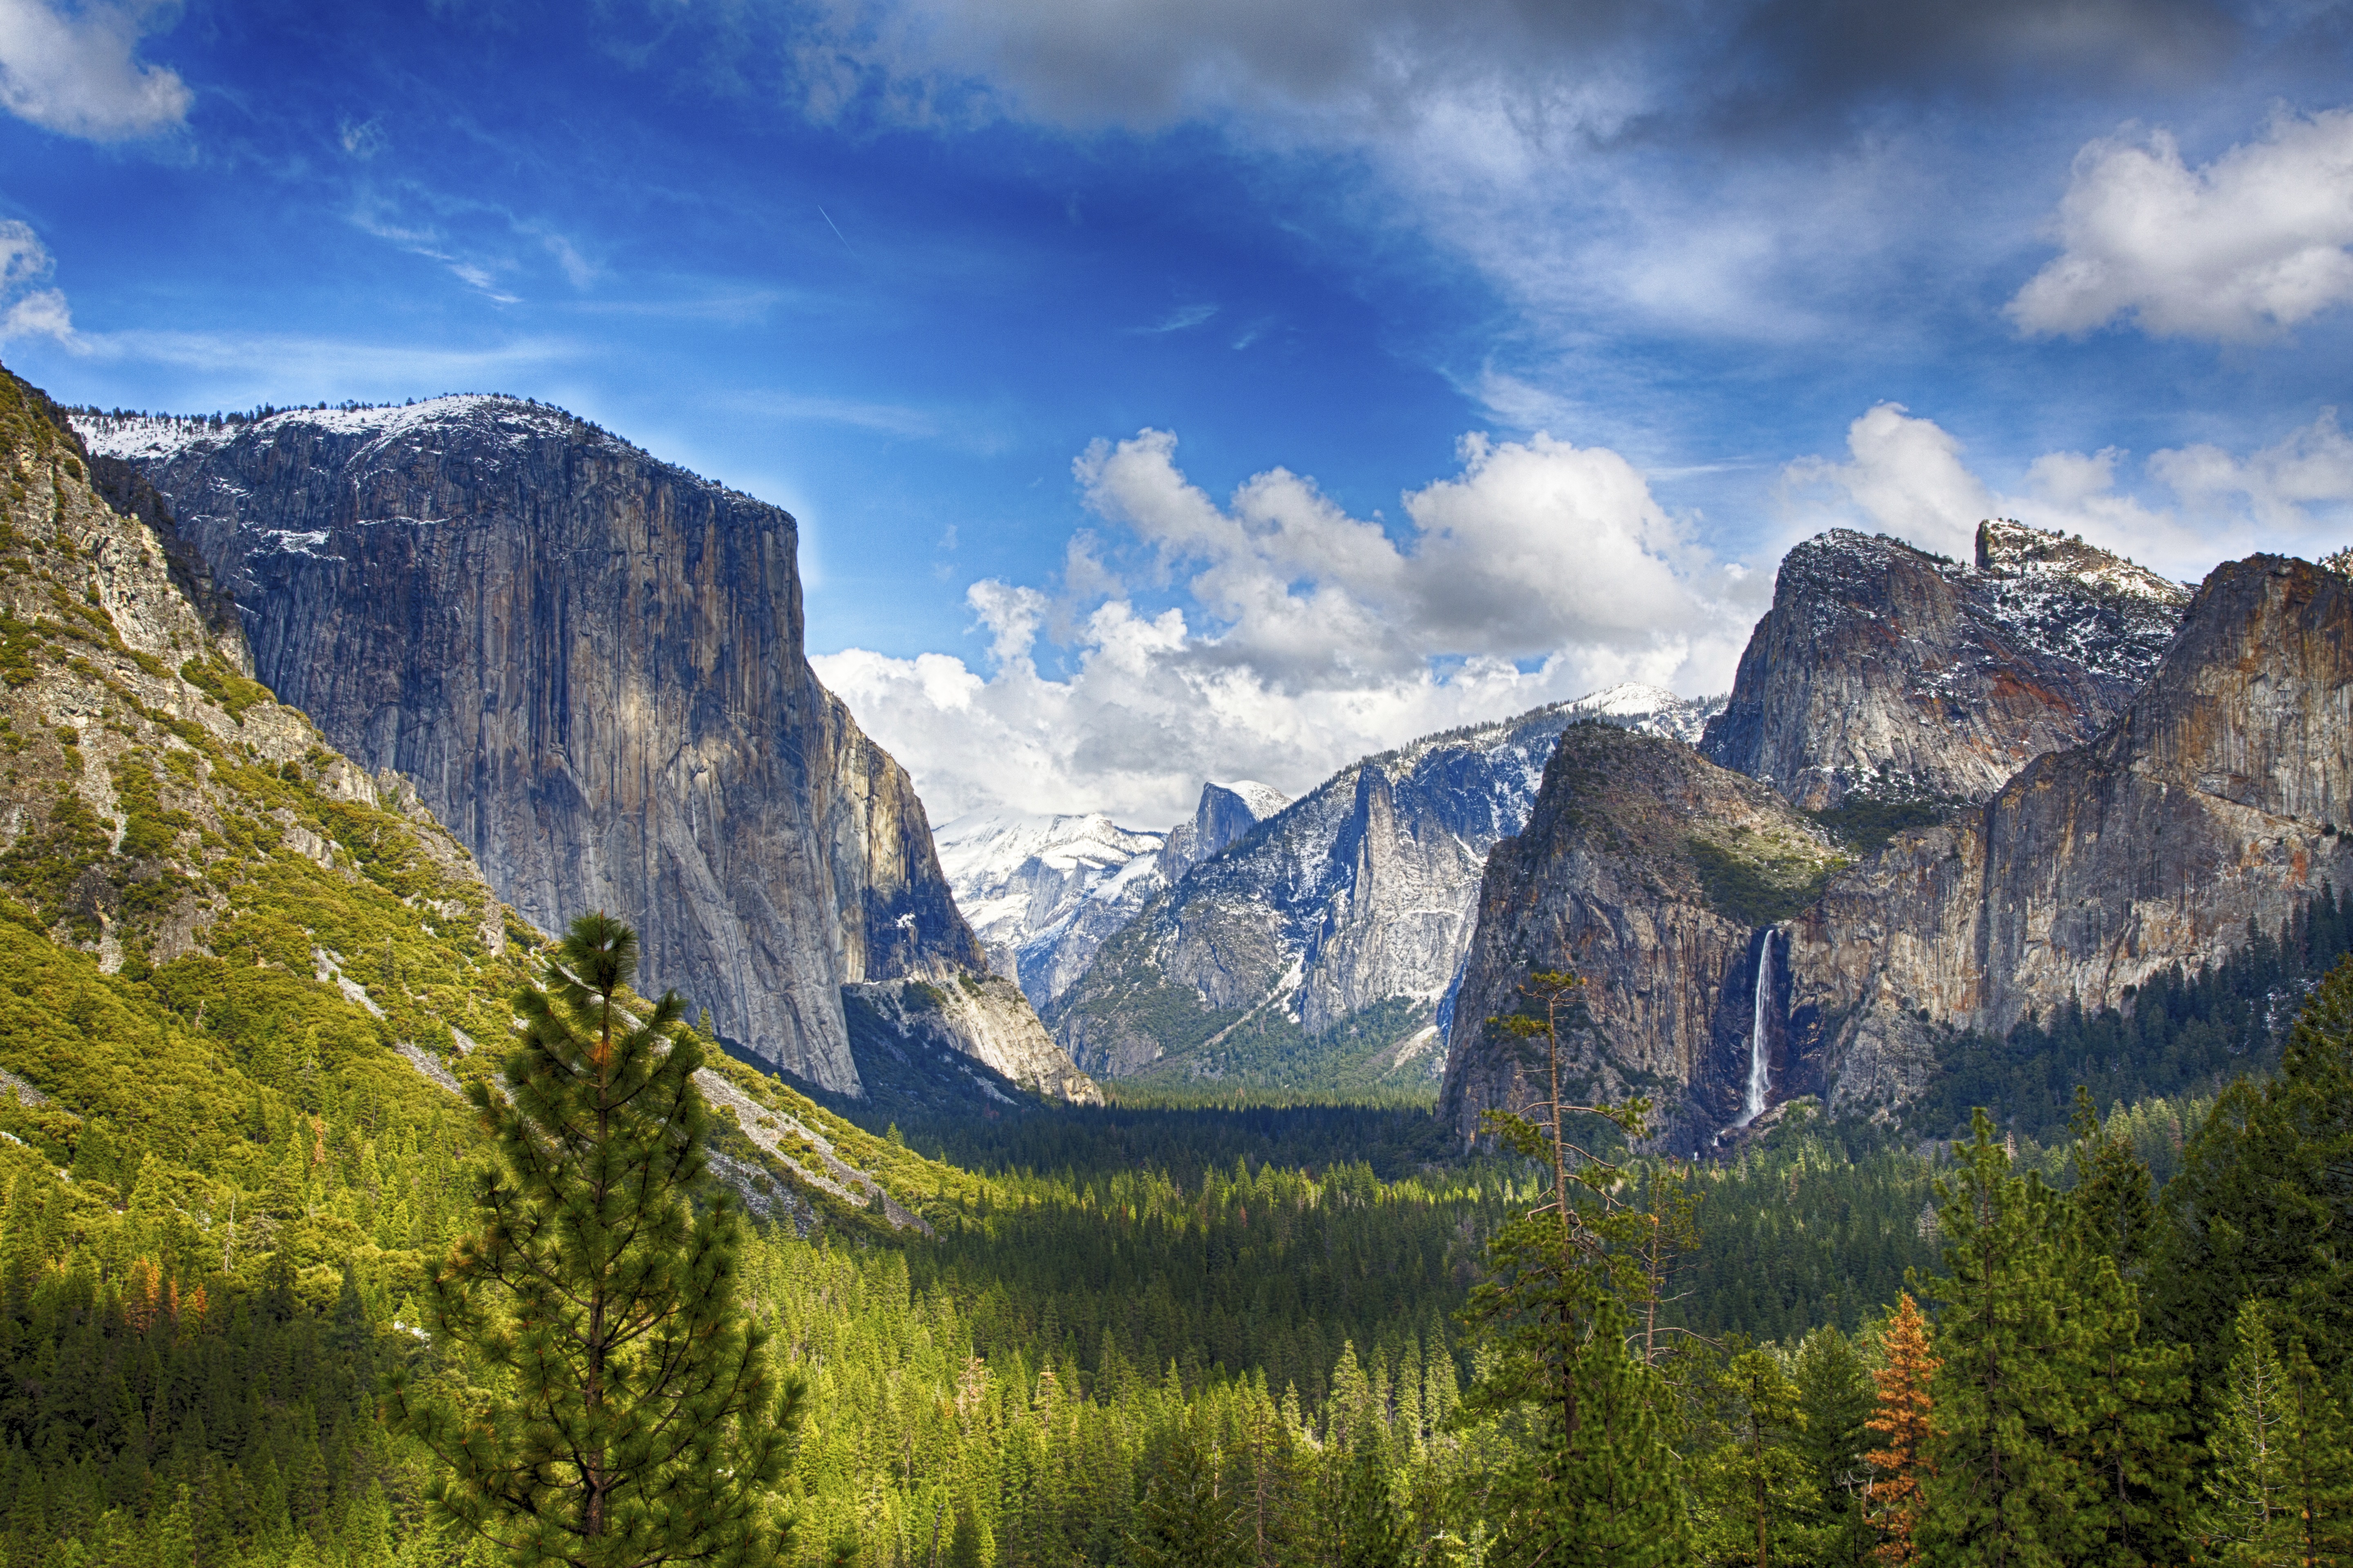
(2217, 798)
(591, 664)
(160, 813)
(1650, 872)
(1332, 932)
(1885, 671)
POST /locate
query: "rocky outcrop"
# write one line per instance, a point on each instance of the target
(1654, 873)
(1223, 814)
(1329, 934)
(1887, 672)
(2217, 798)
(590, 664)
(983, 1017)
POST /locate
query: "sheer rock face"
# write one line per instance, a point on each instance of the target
(2215, 799)
(591, 665)
(1346, 912)
(1885, 670)
(1223, 814)
(1607, 880)
(1044, 893)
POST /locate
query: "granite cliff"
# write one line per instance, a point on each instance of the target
(1318, 949)
(590, 664)
(2212, 798)
(2216, 798)
(1654, 873)
(1884, 671)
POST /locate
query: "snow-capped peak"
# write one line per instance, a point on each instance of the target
(1628, 699)
(1263, 799)
(148, 437)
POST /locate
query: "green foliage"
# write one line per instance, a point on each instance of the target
(2186, 1035)
(2262, 1184)
(1756, 1493)
(2281, 1488)
(234, 691)
(1867, 826)
(2059, 1436)
(628, 1423)
(1759, 879)
(1837, 1398)
(1593, 1478)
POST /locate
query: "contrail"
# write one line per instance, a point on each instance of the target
(837, 230)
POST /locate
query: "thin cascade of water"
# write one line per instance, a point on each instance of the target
(1761, 1070)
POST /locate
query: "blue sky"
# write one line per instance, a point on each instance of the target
(1186, 389)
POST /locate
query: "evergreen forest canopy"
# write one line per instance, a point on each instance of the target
(289, 1220)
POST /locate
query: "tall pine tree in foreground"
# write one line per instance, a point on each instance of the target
(1594, 1479)
(2003, 1490)
(631, 1420)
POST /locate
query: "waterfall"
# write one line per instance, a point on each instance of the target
(1761, 1070)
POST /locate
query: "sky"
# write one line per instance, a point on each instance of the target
(1185, 389)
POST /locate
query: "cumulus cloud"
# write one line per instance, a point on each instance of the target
(76, 69)
(1908, 476)
(2236, 250)
(1306, 637)
(27, 310)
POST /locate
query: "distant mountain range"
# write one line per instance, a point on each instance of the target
(1311, 949)
(1941, 796)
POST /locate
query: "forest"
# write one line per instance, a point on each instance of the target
(1145, 1337)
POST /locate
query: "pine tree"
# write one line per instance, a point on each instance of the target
(2260, 1180)
(2252, 1519)
(1593, 1479)
(1185, 1520)
(2112, 1207)
(2132, 1399)
(1834, 1389)
(2320, 1464)
(1759, 1488)
(2004, 1490)
(629, 1423)
(1900, 1465)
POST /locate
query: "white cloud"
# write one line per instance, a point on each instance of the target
(2237, 249)
(2280, 488)
(1306, 637)
(26, 310)
(1906, 476)
(75, 68)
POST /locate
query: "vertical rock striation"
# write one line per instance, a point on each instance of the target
(1884, 671)
(1331, 933)
(590, 663)
(1654, 873)
(2216, 799)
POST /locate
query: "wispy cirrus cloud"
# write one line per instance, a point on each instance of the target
(1184, 317)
